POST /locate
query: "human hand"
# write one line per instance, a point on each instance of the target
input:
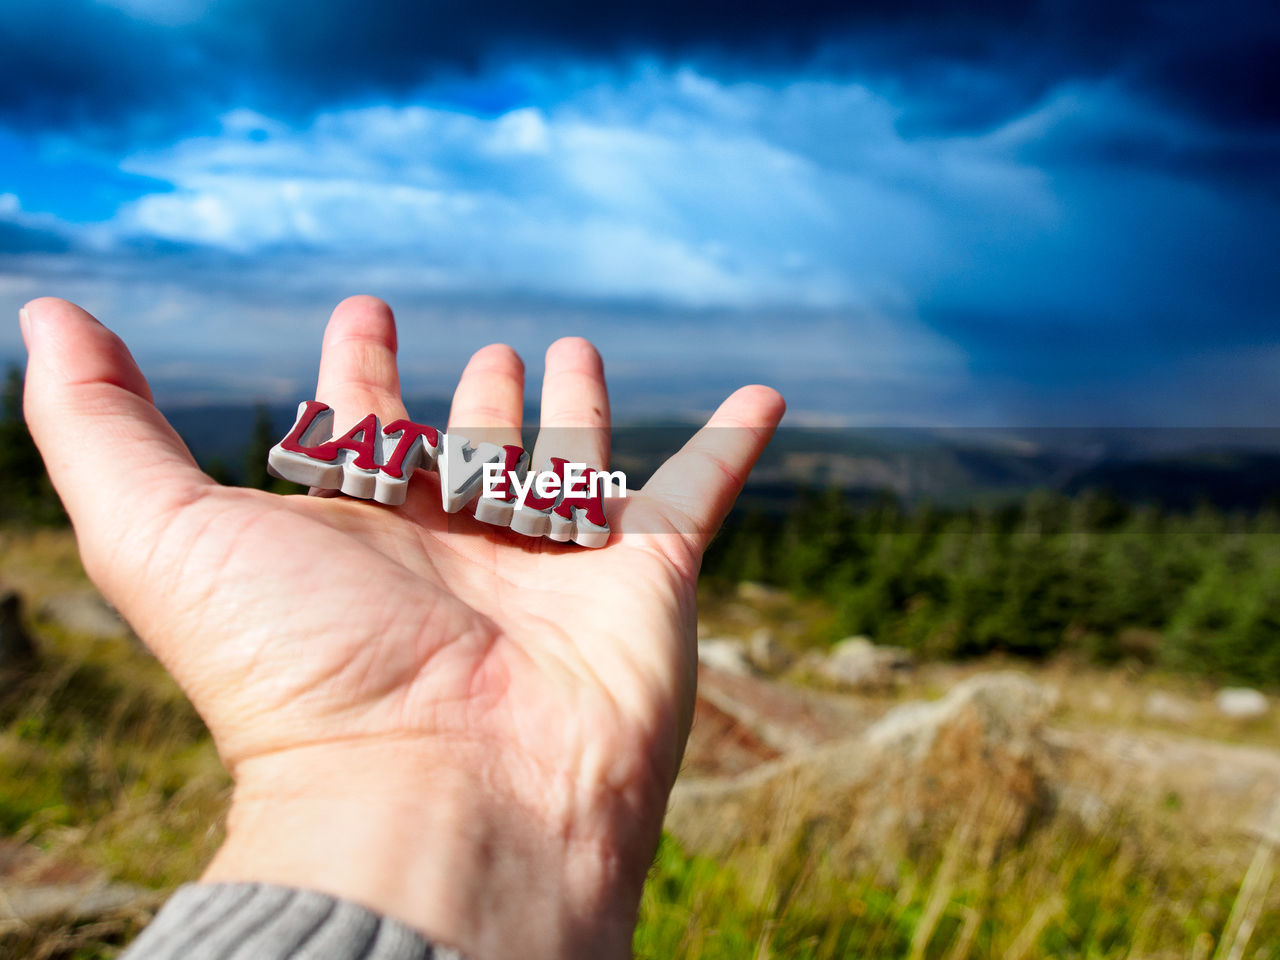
(465, 728)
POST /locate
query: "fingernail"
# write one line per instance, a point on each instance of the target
(24, 322)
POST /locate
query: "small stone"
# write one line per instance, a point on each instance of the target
(84, 612)
(1168, 708)
(858, 664)
(724, 653)
(1101, 702)
(766, 652)
(1241, 703)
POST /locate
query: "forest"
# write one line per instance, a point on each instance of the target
(1195, 591)
(1190, 590)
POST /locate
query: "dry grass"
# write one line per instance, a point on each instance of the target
(103, 765)
(1063, 891)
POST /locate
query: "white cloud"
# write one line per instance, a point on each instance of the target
(520, 131)
(673, 187)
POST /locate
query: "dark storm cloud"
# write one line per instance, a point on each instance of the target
(77, 64)
(961, 65)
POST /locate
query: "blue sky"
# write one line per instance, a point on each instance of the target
(1063, 212)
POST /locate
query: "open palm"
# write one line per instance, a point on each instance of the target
(317, 625)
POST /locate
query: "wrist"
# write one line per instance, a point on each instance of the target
(442, 841)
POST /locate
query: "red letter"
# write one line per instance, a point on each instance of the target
(582, 501)
(394, 467)
(511, 455)
(367, 431)
(293, 442)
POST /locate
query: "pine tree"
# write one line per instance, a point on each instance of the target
(26, 495)
(261, 440)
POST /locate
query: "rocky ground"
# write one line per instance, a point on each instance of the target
(1004, 730)
(873, 759)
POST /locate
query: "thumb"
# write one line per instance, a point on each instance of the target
(115, 461)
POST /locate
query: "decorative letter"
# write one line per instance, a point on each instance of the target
(376, 463)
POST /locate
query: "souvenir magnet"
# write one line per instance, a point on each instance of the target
(373, 462)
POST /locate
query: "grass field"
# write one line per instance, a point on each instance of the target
(103, 766)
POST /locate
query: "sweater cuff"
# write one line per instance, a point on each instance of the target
(240, 921)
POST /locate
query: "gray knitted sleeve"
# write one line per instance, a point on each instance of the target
(256, 921)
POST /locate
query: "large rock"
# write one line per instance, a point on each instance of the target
(1217, 797)
(976, 757)
(1241, 703)
(84, 612)
(858, 664)
(17, 648)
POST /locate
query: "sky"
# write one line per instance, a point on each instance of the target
(1063, 212)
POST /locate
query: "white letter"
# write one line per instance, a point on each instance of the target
(460, 467)
(492, 474)
(547, 484)
(609, 478)
(522, 489)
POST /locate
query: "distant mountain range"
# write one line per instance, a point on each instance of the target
(1177, 468)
